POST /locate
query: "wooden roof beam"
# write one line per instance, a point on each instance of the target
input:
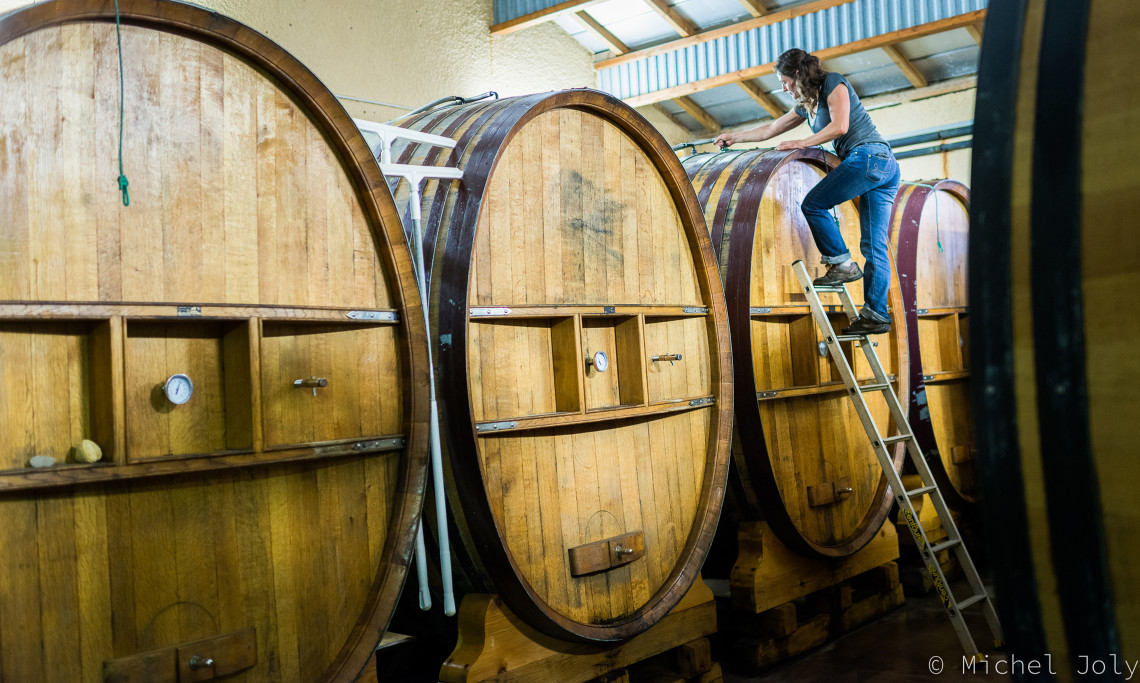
(539, 17)
(678, 21)
(912, 74)
(930, 28)
(703, 117)
(762, 98)
(755, 8)
(731, 29)
(610, 39)
(669, 115)
(975, 31)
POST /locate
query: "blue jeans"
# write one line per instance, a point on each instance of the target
(870, 173)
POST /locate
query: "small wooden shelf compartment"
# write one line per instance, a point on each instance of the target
(623, 383)
(215, 355)
(667, 337)
(524, 366)
(790, 357)
(55, 379)
(941, 333)
(359, 369)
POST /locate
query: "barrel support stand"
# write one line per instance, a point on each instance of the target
(494, 644)
(768, 574)
(781, 604)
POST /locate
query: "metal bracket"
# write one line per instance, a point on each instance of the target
(487, 311)
(386, 316)
(496, 426)
(701, 402)
(379, 444)
(702, 310)
(759, 310)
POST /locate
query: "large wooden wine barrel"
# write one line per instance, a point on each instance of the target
(261, 525)
(804, 462)
(586, 496)
(930, 226)
(1054, 258)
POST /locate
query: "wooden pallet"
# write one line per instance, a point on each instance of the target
(495, 645)
(759, 641)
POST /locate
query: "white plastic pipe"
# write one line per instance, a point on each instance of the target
(421, 567)
(415, 175)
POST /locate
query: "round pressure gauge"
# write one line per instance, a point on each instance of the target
(600, 361)
(178, 389)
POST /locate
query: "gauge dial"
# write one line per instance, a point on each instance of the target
(178, 389)
(601, 361)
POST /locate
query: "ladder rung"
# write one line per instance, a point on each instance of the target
(829, 288)
(972, 600)
(873, 387)
(895, 439)
(943, 546)
(918, 492)
(849, 337)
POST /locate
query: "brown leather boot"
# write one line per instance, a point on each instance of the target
(837, 274)
(865, 326)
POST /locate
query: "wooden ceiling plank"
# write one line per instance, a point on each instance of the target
(728, 30)
(959, 21)
(539, 17)
(975, 31)
(703, 117)
(912, 74)
(680, 23)
(755, 8)
(769, 103)
(669, 115)
(610, 39)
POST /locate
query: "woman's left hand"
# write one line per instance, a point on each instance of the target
(789, 145)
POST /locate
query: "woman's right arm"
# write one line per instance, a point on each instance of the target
(760, 133)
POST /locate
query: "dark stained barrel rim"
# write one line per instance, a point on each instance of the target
(458, 421)
(1077, 538)
(330, 117)
(912, 199)
(994, 387)
(754, 460)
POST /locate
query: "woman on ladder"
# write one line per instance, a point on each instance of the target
(868, 171)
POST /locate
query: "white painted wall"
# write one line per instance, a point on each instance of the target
(410, 52)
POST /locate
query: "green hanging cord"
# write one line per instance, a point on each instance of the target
(123, 182)
(937, 232)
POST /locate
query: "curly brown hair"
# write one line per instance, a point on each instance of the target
(808, 73)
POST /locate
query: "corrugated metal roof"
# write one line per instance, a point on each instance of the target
(832, 27)
(937, 57)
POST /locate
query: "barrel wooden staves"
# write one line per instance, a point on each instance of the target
(1054, 259)
(930, 226)
(586, 491)
(242, 347)
(804, 462)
